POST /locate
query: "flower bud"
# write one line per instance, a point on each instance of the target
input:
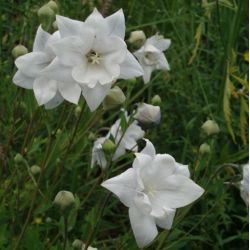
(210, 127)
(148, 115)
(114, 98)
(35, 170)
(64, 200)
(108, 146)
(77, 244)
(54, 25)
(53, 5)
(77, 111)
(137, 37)
(19, 50)
(18, 158)
(48, 220)
(156, 100)
(204, 149)
(46, 16)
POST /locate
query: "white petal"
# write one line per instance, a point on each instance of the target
(167, 219)
(159, 43)
(123, 186)
(182, 170)
(94, 96)
(177, 191)
(40, 40)
(71, 50)
(53, 103)
(149, 149)
(147, 73)
(116, 24)
(52, 39)
(70, 91)
(163, 63)
(120, 150)
(98, 155)
(23, 81)
(68, 27)
(142, 161)
(143, 227)
(44, 90)
(32, 63)
(130, 67)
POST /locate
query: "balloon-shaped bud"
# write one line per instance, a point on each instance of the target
(19, 50)
(115, 98)
(210, 127)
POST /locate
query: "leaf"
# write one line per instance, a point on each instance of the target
(243, 120)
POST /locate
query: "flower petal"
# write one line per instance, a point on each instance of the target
(70, 91)
(167, 219)
(98, 155)
(149, 149)
(123, 186)
(182, 170)
(32, 64)
(94, 96)
(44, 90)
(147, 73)
(163, 63)
(143, 227)
(130, 67)
(53, 103)
(23, 81)
(159, 43)
(40, 40)
(116, 24)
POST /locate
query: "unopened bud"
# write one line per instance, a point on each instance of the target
(64, 200)
(54, 25)
(18, 158)
(114, 99)
(204, 149)
(19, 50)
(108, 146)
(148, 115)
(156, 100)
(35, 170)
(46, 16)
(137, 37)
(91, 136)
(210, 127)
(48, 220)
(53, 5)
(77, 244)
(77, 111)
(58, 131)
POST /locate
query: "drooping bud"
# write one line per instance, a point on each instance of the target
(115, 98)
(210, 127)
(19, 50)
(18, 158)
(46, 16)
(77, 244)
(77, 110)
(137, 37)
(148, 115)
(64, 200)
(53, 5)
(108, 146)
(204, 149)
(35, 170)
(156, 100)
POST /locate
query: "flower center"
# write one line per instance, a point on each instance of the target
(93, 57)
(150, 191)
(151, 58)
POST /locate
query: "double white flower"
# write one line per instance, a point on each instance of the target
(153, 189)
(83, 56)
(151, 56)
(124, 140)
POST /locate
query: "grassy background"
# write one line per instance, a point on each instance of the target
(208, 79)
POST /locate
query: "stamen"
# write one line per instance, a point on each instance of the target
(93, 57)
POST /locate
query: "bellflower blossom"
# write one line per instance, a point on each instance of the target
(125, 140)
(153, 189)
(151, 56)
(96, 53)
(244, 184)
(48, 92)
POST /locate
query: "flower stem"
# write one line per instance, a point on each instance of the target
(65, 235)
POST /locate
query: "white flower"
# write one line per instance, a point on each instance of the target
(89, 247)
(96, 53)
(148, 115)
(151, 56)
(124, 140)
(244, 184)
(152, 189)
(30, 74)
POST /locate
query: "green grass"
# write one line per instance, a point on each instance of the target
(190, 92)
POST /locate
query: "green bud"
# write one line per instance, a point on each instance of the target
(54, 25)
(18, 158)
(53, 5)
(77, 111)
(64, 200)
(48, 220)
(77, 244)
(46, 16)
(114, 99)
(137, 37)
(91, 136)
(58, 131)
(210, 127)
(204, 149)
(35, 170)
(108, 146)
(19, 50)
(156, 100)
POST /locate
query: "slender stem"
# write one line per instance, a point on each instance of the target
(65, 219)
